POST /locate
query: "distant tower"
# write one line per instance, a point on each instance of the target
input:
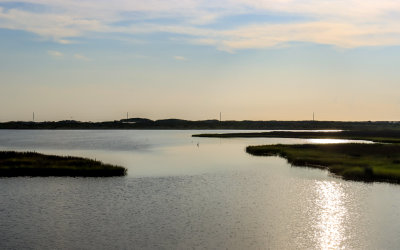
(313, 116)
(220, 117)
(33, 116)
(127, 115)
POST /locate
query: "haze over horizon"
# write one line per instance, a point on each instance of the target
(251, 60)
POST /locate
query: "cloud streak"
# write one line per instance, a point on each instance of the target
(366, 23)
(180, 58)
(55, 53)
(81, 57)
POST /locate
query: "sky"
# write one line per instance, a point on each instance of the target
(96, 60)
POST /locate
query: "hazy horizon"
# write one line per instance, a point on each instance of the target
(205, 119)
(251, 60)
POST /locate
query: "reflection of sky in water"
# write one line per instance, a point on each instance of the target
(180, 195)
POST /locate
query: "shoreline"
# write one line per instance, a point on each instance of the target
(143, 123)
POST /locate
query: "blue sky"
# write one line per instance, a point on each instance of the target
(259, 60)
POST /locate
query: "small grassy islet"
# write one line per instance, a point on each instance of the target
(14, 164)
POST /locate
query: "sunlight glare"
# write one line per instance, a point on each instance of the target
(328, 141)
(329, 228)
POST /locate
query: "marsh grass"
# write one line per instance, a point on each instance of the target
(352, 161)
(35, 164)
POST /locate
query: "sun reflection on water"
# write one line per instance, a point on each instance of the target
(328, 141)
(330, 225)
(333, 141)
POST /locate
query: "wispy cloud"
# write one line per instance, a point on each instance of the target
(81, 57)
(180, 58)
(55, 53)
(366, 23)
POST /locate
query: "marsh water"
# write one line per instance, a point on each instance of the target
(188, 193)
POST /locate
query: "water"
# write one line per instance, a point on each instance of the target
(188, 193)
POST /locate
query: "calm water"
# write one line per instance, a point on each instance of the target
(188, 193)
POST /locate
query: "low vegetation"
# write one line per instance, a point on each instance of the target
(352, 161)
(35, 164)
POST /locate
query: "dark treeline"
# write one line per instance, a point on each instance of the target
(141, 123)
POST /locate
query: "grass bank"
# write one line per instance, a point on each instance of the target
(383, 136)
(35, 164)
(362, 162)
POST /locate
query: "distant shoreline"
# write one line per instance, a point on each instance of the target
(179, 124)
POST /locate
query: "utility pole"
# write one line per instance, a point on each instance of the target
(312, 116)
(127, 114)
(33, 117)
(220, 119)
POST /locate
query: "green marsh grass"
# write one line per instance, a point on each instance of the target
(35, 164)
(352, 161)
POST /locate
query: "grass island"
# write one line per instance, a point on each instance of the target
(14, 164)
(352, 161)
